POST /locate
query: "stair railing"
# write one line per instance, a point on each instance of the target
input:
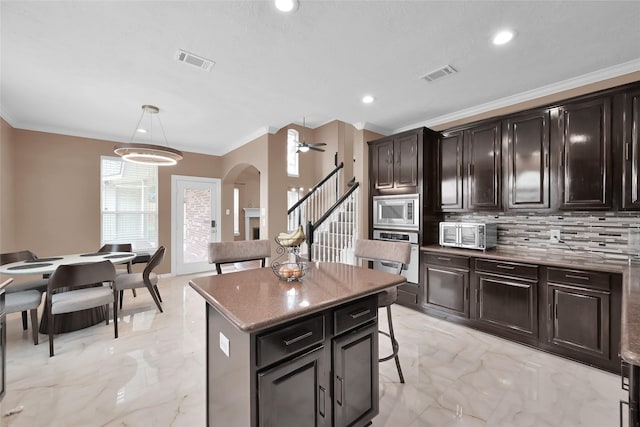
(317, 201)
(332, 237)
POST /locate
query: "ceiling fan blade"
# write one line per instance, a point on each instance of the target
(311, 147)
(317, 144)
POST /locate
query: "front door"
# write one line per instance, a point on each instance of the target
(196, 213)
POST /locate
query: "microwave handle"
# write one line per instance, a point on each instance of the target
(458, 234)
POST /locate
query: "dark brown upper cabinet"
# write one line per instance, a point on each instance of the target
(394, 162)
(450, 155)
(631, 150)
(526, 145)
(585, 172)
(483, 160)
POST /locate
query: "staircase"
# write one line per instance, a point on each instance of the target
(330, 220)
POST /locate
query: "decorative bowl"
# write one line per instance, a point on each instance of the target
(290, 271)
(290, 242)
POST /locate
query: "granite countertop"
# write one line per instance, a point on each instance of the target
(577, 260)
(256, 299)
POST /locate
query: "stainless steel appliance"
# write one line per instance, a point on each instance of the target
(468, 235)
(400, 211)
(412, 270)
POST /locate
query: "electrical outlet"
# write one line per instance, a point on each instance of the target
(554, 235)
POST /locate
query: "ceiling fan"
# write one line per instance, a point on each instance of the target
(303, 146)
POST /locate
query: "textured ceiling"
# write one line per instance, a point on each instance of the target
(85, 68)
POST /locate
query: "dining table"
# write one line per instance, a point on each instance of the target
(45, 266)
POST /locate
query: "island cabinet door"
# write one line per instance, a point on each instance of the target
(355, 378)
(294, 393)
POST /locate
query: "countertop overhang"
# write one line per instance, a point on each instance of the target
(254, 300)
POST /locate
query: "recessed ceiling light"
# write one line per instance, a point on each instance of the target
(503, 37)
(286, 6)
(140, 130)
(368, 99)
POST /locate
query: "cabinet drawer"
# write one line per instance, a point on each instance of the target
(354, 314)
(447, 260)
(284, 342)
(590, 279)
(408, 294)
(517, 269)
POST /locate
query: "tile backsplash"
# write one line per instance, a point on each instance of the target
(609, 234)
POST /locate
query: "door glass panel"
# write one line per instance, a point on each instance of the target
(196, 228)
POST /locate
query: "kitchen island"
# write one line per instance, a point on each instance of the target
(293, 353)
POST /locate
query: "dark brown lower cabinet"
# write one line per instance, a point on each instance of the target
(317, 371)
(445, 281)
(355, 394)
(579, 319)
(293, 393)
(508, 304)
(409, 295)
(569, 312)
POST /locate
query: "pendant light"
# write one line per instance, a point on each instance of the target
(149, 154)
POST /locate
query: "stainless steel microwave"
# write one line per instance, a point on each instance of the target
(468, 235)
(401, 211)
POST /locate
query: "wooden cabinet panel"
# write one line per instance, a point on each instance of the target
(450, 155)
(382, 164)
(631, 147)
(483, 157)
(446, 289)
(579, 320)
(508, 303)
(292, 393)
(405, 168)
(528, 161)
(585, 178)
(355, 395)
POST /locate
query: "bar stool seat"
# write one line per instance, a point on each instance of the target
(398, 253)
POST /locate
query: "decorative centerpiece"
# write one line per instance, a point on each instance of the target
(289, 271)
(287, 266)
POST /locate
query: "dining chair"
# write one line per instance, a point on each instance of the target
(221, 253)
(147, 279)
(34, 284)
(67, 292)
(395, 255)
(21, 302)
(120, 247)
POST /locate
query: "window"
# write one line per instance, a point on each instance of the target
(292, 155)
(292, 197)
(129, 203)
(236, 212)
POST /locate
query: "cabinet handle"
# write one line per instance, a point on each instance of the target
(441, 258)
(290, 341)
(627, 145)
(321, 403)
(573, 276)
(505, 267)
(339, 391)
(546, 161)
(622, 403)
(360, 314)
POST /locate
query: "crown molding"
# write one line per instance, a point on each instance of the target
(373, 128)
(573, 83)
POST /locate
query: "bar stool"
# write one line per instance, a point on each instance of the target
(394, 255)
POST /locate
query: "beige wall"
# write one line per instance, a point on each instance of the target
(7, 198)
(57, 178)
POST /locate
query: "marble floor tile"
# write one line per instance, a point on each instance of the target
(154, 374)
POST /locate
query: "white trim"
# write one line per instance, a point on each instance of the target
(573, 83)
(174, 216)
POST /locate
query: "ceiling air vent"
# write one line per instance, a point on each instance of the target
(445, 71)
(195, 60)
